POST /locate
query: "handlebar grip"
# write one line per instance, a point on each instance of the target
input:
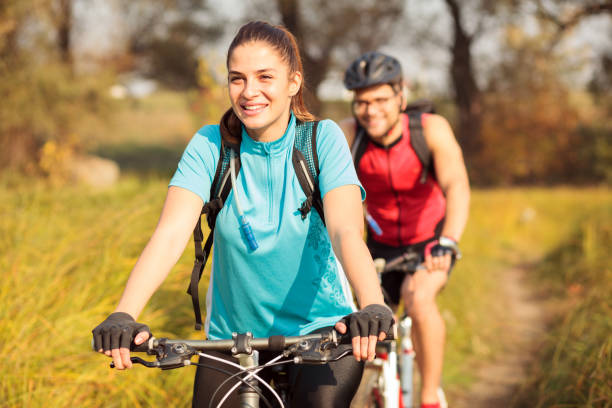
(347, 339)
(142, 348)
(392, 332)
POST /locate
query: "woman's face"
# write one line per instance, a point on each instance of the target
(260, 89)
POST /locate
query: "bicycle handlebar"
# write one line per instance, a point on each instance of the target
(317, 348)
(407, 262)
(234, 345)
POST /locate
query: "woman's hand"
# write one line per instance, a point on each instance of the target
(366, 327)
(116, 334)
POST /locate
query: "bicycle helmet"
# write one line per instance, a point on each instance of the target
(372, 68)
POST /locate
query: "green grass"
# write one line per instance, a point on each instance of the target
(65, 254)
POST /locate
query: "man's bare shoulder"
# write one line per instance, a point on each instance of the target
(437, 130)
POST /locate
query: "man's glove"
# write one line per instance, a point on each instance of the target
(117, 331)
(369, 321)
(445, 246)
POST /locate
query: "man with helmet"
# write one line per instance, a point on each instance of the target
(414, 207)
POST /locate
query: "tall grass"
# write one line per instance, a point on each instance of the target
(507, 229)
(575, 365)
(65, 255)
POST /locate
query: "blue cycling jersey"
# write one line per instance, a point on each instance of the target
(292, 284)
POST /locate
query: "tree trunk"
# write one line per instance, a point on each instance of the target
(467, 95)
(314, 68)
(64, 30)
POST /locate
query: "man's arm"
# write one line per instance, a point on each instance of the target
(450, 173)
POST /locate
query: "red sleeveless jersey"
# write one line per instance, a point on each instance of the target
(406, 209)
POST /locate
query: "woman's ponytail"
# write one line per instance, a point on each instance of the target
(231, 128)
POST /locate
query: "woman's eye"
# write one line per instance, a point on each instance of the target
(266, 77)
(235, 80)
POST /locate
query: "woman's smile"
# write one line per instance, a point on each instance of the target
(253, 109)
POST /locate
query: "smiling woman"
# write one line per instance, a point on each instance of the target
(294, 279)
(261, 88)
(265, 82)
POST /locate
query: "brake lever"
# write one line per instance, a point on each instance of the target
(168, 356)
(319, 351)
(138, 360)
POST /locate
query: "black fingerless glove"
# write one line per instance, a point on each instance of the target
(117, 331)
(445, 246)
(369, 321)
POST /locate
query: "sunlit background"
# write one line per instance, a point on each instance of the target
(98, 99)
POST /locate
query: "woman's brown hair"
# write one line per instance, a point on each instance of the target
(284, 42)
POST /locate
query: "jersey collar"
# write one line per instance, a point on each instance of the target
(276, 147)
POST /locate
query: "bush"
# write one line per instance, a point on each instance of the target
(42, 104)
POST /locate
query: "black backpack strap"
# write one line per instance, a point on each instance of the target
(306, 166)
(419, 144)
(359, 146)
(219, 190)
(201, 256)
(421, 105)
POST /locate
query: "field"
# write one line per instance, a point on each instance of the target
(66, 252)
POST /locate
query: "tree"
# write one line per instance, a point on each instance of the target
(41, 97)
(565, 15)
(456, 33)
(11, 16)
(332, 34)
(530, 120)
(164, 36)
(467, 95)
(540, 124)
(62, 18)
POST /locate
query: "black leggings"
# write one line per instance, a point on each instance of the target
(323, 386)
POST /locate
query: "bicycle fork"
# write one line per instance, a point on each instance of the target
(406, 362)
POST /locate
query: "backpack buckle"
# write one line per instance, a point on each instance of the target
(306, 206)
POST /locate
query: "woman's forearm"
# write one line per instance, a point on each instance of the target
(179, 215)
(358, 266)
(152, 267)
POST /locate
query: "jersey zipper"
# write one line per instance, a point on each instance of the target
(270, 187)
(396, 194)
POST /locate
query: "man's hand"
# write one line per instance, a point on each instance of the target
(438, 254)
(366, 327)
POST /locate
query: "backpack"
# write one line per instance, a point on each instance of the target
(306, 166)
(417, 137)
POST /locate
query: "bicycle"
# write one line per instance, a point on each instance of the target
(317, 348)
(389, 379)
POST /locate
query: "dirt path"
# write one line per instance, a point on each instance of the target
(521, 333)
